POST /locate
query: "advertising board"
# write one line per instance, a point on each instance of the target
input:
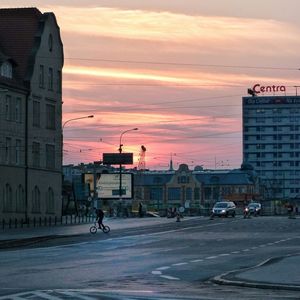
(107, 186)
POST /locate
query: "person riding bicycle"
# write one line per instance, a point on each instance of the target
(100, 215)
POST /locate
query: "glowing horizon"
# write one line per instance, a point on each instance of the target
(189, 106)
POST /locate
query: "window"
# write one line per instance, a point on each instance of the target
(8, 150)
(20, 199)
(36, 200)
(50, 115)
(188, 194)
(50, 156)
(41, 77)
(6, 70)
(59, 82)
(36, 154)
(18, 152)
(50, 201)
(50, 79)
(8, 111)
(18, 111)
(36, 118)
(50, 42)
(8, 200)
(197, 193)
(174, 194)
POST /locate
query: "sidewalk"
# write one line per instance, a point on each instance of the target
(275, 273)
(69, 230)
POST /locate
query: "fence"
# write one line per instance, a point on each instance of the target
(46, 221)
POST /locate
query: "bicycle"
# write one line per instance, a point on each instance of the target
(94, 228)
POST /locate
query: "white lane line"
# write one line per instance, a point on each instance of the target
(156, 272)
(46, 296)
(211, 257)
(236, 252)
(246, 250)
(196, 260)
(169, 277)
(75, 295)
(224, 254)
(163, 268)
(180, 264)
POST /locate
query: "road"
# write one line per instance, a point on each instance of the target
(168, 261)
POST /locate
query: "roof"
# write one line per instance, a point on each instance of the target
(18, 29)
(152, 179)
(20, 36)
(234, 177)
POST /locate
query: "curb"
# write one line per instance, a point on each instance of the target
(229, 278)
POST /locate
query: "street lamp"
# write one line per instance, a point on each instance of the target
(62, 144)
(62, 133)
(91, 116)
(120, 151)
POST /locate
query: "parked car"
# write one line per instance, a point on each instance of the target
(254, 208)
(224, 208)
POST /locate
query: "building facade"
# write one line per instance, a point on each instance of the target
(271, 143)
(31, 61)
(197, 190)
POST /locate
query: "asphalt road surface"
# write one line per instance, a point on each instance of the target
(169, 261)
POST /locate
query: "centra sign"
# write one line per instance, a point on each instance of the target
(257, 88)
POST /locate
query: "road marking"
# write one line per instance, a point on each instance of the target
(211, 257)
(75, 295)
(180, 264)
(156, 272)
(235, 252)
(196, 260)
(163, 268)
(246, 250)
(169, 277)
(224, 254)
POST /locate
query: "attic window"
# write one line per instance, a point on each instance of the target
(6, 70)
(50, 42)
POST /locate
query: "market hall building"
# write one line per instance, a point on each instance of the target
(271, 142)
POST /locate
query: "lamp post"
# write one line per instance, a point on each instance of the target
(120, 151)
(91, 116)
(62, 146)
(62, 129)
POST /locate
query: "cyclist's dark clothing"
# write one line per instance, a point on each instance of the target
(100, 216)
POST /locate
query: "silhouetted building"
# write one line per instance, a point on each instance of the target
(31, 61)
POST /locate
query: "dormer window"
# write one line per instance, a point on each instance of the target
(6, 70)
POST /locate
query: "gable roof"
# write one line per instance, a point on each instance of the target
(18, 29)
(233, 177)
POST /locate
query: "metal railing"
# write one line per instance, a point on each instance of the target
(46, 221)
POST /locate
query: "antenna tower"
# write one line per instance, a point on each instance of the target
(142, 162)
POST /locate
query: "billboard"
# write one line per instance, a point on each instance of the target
(108, 186)
(118, 158)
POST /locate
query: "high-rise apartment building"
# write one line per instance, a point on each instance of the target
(271, 143)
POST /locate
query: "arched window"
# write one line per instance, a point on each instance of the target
(6, 69)
(36, 200)
(50, 201)
(8, 199)
(20, 199)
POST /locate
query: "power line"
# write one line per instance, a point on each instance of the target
(183, 64)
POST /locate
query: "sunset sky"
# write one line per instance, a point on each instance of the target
(176, 69)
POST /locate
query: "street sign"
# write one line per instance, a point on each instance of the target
(118, 158)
